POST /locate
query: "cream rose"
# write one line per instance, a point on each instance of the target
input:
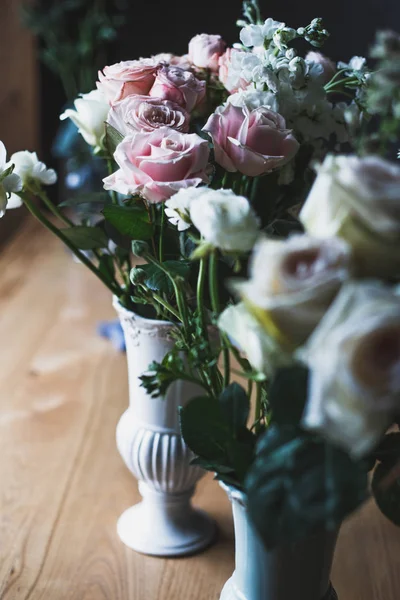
(358, 199)
(292, 283)
(144, 113)
(225, 221)
(246, 333)
(354, 357)
(89, 116)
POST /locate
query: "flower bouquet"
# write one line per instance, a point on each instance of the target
(208, 154)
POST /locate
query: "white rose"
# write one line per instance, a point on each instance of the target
(292, 283)
(246, 333)
(90, 114)
(358, 199)
(9, 182)
(31, 169)
(178, 206)
(225, 221)
(354, 357)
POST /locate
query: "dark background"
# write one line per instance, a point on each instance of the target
(152, 27)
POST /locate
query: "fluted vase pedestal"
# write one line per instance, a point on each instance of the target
(164, 523)
(298, 571)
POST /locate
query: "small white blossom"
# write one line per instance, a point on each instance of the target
(357, 64)
(254, 35)
(9, 182)
(177, 207)
(90, 114)
(31, 169)
(252, 99)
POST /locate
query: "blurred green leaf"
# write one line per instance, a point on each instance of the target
(235, 406)
(299, 485)
(158, 281)
(86, 238)
(89, 198)
(112, 138)
(132, 221)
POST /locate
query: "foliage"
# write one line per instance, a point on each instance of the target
(74, 34)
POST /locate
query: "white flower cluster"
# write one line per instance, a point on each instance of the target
(277, 77)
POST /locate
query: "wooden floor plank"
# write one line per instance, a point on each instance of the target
(63, 484)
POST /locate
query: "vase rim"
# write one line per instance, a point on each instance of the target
(133, 315)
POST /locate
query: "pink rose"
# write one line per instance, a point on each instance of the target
(205, 50)
(172, 60)
(229, 72)
(144, 113)
(177, 85)
(251, 142)
(126, 78)
(328, 66)
(158, 164)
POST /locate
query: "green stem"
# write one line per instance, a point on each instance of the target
(58, 233)
(254, 188)
(200, 294)
(215, 305)
(344, 81)
(213, 282)
(110, 167)
(258, 407)
(161, 241)
(52, 208)
(165, 304)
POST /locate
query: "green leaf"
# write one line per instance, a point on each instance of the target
(112, 139)
(90, 198)
(158, 281)
(386, 489)
(299, 485)
(287, 395)
(86, 238)
(235, 406)
(106, 267)
(132, 221)
(204, 430)
(211, 466)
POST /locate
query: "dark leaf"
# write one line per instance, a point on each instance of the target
(299, 485)
(158, 281)
(90, 198)
(132, 221)
(204, 430)
(106, 267)
(287, 395)
(235, 406)
(86, 238)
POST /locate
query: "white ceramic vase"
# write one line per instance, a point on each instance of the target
(164, 523)
(298, 571)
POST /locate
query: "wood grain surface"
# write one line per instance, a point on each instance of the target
(63, 484)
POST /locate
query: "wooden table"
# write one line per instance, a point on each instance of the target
(63, 484)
